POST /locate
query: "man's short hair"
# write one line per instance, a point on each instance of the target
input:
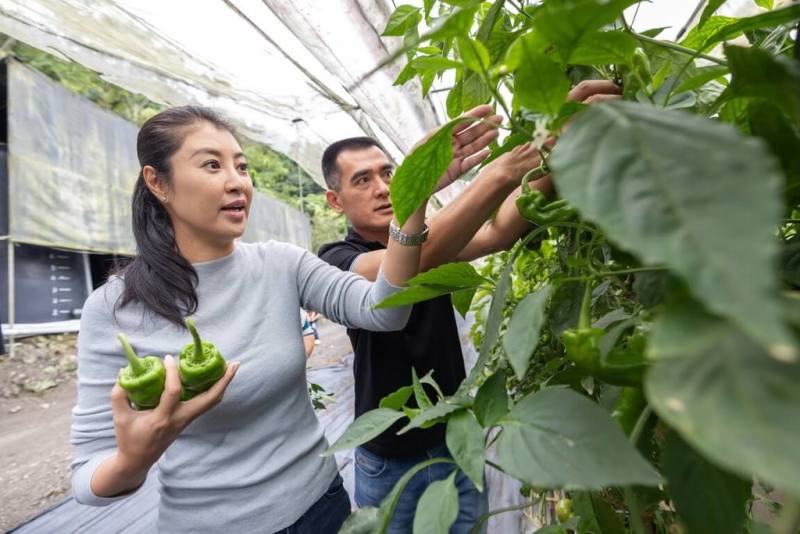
(330, 169)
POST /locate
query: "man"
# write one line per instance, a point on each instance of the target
(358, 172)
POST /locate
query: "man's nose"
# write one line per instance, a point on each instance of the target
(382, 188)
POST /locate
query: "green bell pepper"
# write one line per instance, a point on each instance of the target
(143, 378)
(200, 366)
(621, 366)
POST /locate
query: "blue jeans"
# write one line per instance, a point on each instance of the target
(376, 476)
(326, 515)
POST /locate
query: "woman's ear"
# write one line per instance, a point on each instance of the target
(154, 183)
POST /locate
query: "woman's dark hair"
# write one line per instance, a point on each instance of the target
(158, 276)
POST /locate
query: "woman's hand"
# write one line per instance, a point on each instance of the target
(143, 436)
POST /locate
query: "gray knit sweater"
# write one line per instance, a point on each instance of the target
(251, 463)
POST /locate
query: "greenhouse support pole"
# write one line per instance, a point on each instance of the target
(300, 185)
(11, 297)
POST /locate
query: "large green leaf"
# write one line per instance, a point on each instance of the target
(433, 415)
(464, 439)
(707, 498)
(595, 514)
(397, 399)
(565, 24)
(770, 19)
(420, 395)
(556, 438)
(757, 73)
(652, 178)
(565, 308)
(727, 398)
(416, 178)
(601, 48)
(768, 122)
(700, 33)
(540, 84)
(434, 63)
(491, 401)
(522, 335)
(403, 18)
(389, 503)
(461, 279)
(703, 76)
(414, 294)
(710, 9)
(362, 521)
(473, 54)
(456, 275)
(437, 509)
(492, 329)
(366, 427)
(462, 300)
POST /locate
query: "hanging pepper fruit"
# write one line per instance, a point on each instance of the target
(628, 407)
(582, 344)
(622, 366)
(201, 364)
(533, 206)
(625, 365)
(142, 378)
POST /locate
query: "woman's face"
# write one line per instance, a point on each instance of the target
(208, 198)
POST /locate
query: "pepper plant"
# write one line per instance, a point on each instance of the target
(638, 356)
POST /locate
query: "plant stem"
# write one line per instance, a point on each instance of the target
(633, 507)
(638, 428)
(482, 519)
(603, 274)
(492, 464)
(136, 364)
(678, 48)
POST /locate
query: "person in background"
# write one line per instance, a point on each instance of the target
(308, 333)
(312, 319)
(358, 173)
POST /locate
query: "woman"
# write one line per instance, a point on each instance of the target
(249, 462)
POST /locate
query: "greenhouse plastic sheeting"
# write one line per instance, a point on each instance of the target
(283, 71)
(72, 167)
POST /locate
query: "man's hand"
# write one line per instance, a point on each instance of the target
(514, 164)
(470, 139)
(593, 91)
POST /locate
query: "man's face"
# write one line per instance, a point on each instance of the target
(363, 194)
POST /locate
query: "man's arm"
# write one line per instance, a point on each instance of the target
(505, 228)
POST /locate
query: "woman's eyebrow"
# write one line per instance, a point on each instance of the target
(214, 152)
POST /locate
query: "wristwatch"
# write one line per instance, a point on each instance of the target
(408, 240)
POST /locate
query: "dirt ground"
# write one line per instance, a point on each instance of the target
(37, 392)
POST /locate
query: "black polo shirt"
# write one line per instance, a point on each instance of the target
(383, 360)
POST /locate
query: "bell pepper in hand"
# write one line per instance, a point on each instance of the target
(200, 366)
(142, 378)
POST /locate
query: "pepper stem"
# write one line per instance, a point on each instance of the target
(584, 321)
(135, 362)
(198, 344)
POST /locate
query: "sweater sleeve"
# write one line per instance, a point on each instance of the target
(99, 360)
(345, 297)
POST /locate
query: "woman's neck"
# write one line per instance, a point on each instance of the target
(197, 250)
